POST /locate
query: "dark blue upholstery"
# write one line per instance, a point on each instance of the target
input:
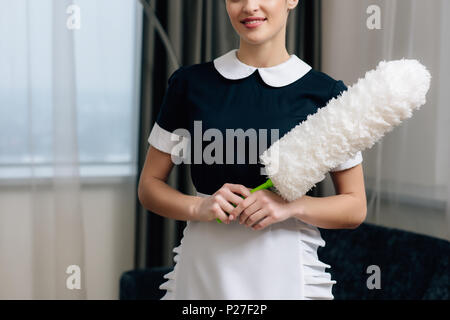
(413, 266)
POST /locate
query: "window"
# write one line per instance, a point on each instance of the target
(107, 62)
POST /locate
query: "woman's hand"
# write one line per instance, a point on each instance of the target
(219, 204)
(261, 209)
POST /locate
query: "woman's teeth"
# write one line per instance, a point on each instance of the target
(254, 21)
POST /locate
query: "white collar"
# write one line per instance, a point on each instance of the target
(229, 66)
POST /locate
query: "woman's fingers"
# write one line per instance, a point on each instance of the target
(238, 188)
(256, 217)
(219, 211)
(225, 205)
(233, 198)
(228, 197)
(249, 211)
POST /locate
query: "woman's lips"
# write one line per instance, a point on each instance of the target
(253, 24)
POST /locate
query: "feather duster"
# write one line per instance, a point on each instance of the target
(352, 122)
(349, 123)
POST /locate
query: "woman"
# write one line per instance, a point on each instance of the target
(267, 247)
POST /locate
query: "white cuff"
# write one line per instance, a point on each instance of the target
(166, 141)
(357, 159)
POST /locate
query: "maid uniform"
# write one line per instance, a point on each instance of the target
(231, 261)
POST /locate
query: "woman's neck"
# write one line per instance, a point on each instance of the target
(263, 55)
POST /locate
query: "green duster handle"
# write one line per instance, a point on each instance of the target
(265, 185)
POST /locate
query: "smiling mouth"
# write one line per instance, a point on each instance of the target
(251, 22)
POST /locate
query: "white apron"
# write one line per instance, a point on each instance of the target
(232, 262)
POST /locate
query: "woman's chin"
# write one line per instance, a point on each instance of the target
(254, 39)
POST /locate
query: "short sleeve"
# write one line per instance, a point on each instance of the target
(350, 163)
(336, 91)
(172, 116)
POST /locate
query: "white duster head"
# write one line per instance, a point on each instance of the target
(352, 122)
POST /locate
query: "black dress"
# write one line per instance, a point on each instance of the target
(219, 116)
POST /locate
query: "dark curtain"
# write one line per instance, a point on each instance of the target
(199, 31)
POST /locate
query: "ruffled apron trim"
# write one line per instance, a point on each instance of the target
(170, 284)
(317, 283)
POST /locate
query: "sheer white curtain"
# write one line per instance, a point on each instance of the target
(53, 229)
(68, 113)
(63, 230)
(406, 174)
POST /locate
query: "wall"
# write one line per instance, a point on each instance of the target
(109, 222)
